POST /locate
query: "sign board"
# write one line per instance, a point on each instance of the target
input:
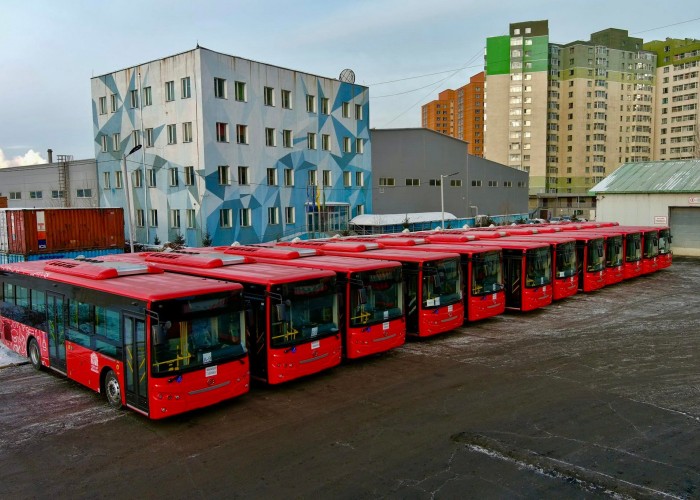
(694, 200)
(661, 220)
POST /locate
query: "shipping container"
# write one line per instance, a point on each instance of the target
(9, 258)
(47, 231)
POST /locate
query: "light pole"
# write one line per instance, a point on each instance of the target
(442, 196)
(127, 193)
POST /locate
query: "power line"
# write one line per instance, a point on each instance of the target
(667, 26)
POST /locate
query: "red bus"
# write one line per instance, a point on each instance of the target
(649, 244)
(433, 282)
(527, 272)
(564, 268)
(291, 313)
(665, 254)
(614, 253)
(370, 294)
(482, 268)
(157, 343)
(631, 249)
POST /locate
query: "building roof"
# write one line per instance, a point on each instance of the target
(681, 176)
(393, 219)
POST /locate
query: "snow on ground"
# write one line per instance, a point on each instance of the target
(8, 357)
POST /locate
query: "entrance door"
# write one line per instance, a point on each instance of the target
(513, 272)
(56, 319)
(135, 365)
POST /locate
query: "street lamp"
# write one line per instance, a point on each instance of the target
(442, 196)
(127, 192)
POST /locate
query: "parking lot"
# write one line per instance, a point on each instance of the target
(598, 395)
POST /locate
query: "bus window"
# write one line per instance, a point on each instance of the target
(486, 274)
(539, 264)
(442, 283)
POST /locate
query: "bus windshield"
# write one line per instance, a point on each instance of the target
(613, 256)
(566, 259)
(442, 283)
(651, 244)
(596, 255)
(634, 248)
(487, 275)
(539, 267)
(303, 312)
(376, 296)
(188, 334)
(664, 241)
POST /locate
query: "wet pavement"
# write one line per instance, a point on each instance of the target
(594, 396)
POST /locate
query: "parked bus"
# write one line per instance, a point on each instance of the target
(564, 268)
(157, 343)
(527, 272)
(649, 245)
(433, 282)
(292, 323)
(631, 249)
(613, 242)
(665, 254)
(370, 294)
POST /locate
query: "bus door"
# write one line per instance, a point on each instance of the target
(135, 362)
(413, 285)
(512, 268)
(56, 323)
(256, 330)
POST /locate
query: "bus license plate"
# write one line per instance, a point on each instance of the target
(315, 344)
(210, 371)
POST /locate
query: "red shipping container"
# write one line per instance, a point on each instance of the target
(49, 230)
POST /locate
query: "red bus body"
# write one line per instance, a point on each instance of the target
(370, 294)
(631, 249)
(649, 245)
(531, 260)
(281, 349)
(614, 253)
(665, 254)
(564, 268)
(427, 313)
(128, 331)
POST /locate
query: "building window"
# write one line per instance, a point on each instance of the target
(224, 175)
(102, 103)
(221, 132)
(136, 138)
(359, 210)
(243, 179)
(147, 96)
(269, 96)
(187, 132)
(287, 138)
(55, 194)
(413, 182)
(244, 217)
(84, 193)
(346, 110)
(106, 177)
(191, 218)
(220, 88)
(476, 183)
(153, 217)
(226, 217)
(493, 184)
(310, 104)
(359, 146)
(313, 179)
(311, 140)
(241, 91)
(347, 145)
(37, 195)
(387, 182)
(435, 182)
(347, 179)
(271, 176)
(507, 184)
(189, 176)
(116, 142)
(270, 137)
(105, 147)
(175, 219)
(185, 89)
(273, 216)
(134, 99)
(151, 177)
(358, 111)
(242, 134)
(172, 134)
(169, 91)
(288, 177)
(287, 99)
(327, 180)
(140, 220)
(359, 179)
(289, 215)
(118, 179)
(172, 176)
(113, 99)
(325, 142)
(15, 195)
(325, 105)
(138, 178)
(149, 137)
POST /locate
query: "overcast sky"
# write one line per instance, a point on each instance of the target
(49, 50)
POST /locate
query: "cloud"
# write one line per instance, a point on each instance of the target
(31, 157)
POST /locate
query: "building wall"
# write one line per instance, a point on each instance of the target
(218, 202)
(38, 186)
(405, 161)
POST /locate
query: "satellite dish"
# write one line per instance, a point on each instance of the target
(347, 76)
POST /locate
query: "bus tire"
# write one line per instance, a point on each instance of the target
(113, 391)
(34, 354)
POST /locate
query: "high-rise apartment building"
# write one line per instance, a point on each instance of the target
(677, 120)
(232, 149)
(569, 114)
(459, 113)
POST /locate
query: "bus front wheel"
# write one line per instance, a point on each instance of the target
(113, 390)
(34, 354)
